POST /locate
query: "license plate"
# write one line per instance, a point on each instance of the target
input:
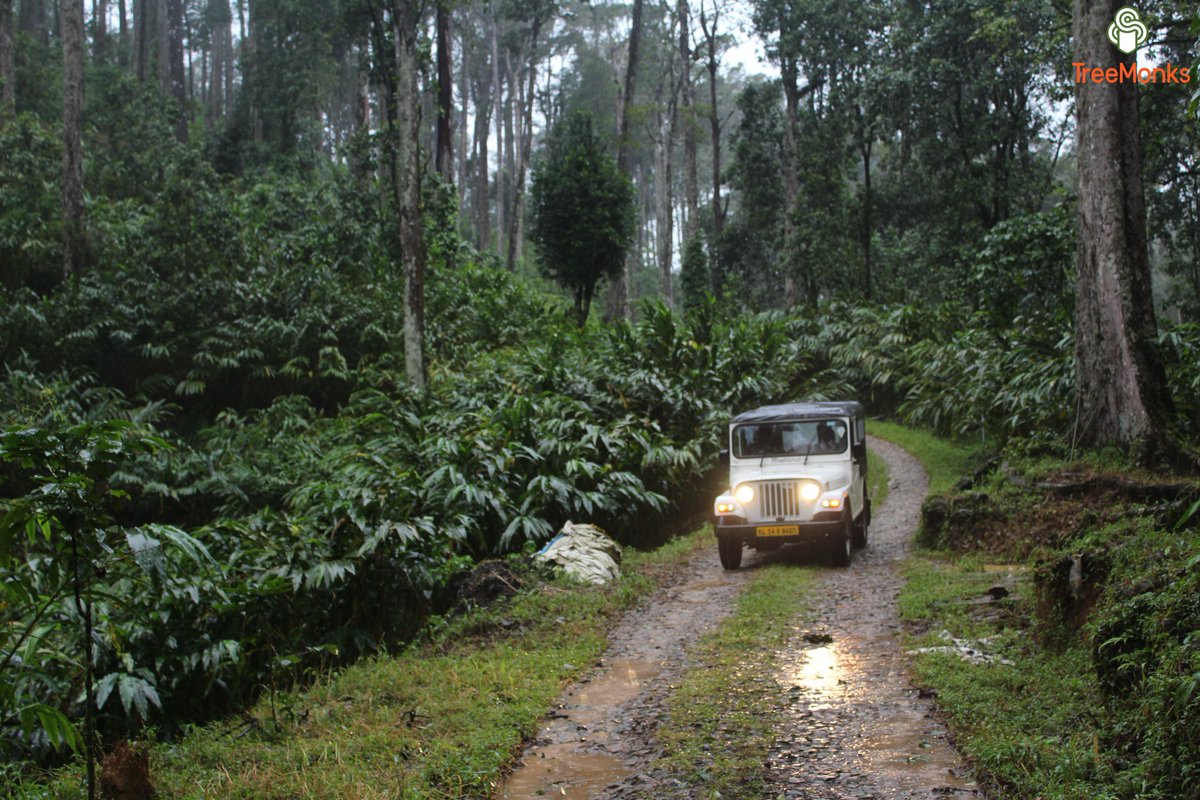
(777, 530)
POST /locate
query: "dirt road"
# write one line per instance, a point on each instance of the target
(849, 725)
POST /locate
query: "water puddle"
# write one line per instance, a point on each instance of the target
(623, 680)
(821, 676)
(896, 757)
(560, 770)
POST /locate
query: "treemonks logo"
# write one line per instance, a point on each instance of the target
(1127, 32)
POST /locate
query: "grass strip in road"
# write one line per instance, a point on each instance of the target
(441, 720)
(720, 717)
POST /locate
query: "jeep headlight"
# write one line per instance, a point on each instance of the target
(810, 491)
(744, 493)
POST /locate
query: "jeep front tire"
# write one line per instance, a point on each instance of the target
(730, 550)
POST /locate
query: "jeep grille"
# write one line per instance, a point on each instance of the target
(779, 499)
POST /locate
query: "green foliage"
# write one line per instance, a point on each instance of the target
(939, 367)
(56, 540)
(581, 211)
(914, 131)
(1025, 269)
(30, 230)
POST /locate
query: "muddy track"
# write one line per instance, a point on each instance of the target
(849, 725)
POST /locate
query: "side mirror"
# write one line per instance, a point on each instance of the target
(859, 451)
(723, 458)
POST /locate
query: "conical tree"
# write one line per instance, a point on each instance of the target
(582, 212)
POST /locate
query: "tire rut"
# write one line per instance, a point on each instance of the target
(850, 723)
(599, 741)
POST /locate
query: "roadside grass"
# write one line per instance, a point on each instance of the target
(946, 461)
(1044, 724)
(1022, 725)
(877, 479)
(720, 718)
(442, 719)
(1025, 726)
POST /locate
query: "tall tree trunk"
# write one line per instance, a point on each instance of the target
(215, 77)
(187, 61)
(498, 105)
(100, 27)
(122, 34)
(464, 89)
(205, 85)
(620, 290)
(8, 68)
(663, 231)
(74, 233)
(506, 175)
(1120, 379)
(412, 248)
(360, 164)
(514, 238)
(714, 120)
(141, 38)
(516, 133)
(247, 19)
(691, 183)
(174, 66)
(32, 21)
(227, 33)
(793, 94)
(791, 187)
(445, 96)
(483, 110)
(162, 40)
(865, 148)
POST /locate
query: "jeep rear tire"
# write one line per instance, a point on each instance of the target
(730, 550)
(858, 537)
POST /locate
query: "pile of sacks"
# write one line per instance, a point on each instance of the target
(584, 552)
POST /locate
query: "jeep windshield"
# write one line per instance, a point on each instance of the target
(799, 438)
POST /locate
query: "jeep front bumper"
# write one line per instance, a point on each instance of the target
(824, 525)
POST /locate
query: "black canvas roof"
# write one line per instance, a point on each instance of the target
(842, 408)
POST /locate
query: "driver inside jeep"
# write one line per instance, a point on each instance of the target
(830, 437)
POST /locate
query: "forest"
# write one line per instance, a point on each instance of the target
(306, 308)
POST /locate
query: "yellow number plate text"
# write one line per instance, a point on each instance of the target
(777, 530)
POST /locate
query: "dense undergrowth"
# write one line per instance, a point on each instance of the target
(278, 499)
(1100, 697)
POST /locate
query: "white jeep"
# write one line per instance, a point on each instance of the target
(797, 473)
